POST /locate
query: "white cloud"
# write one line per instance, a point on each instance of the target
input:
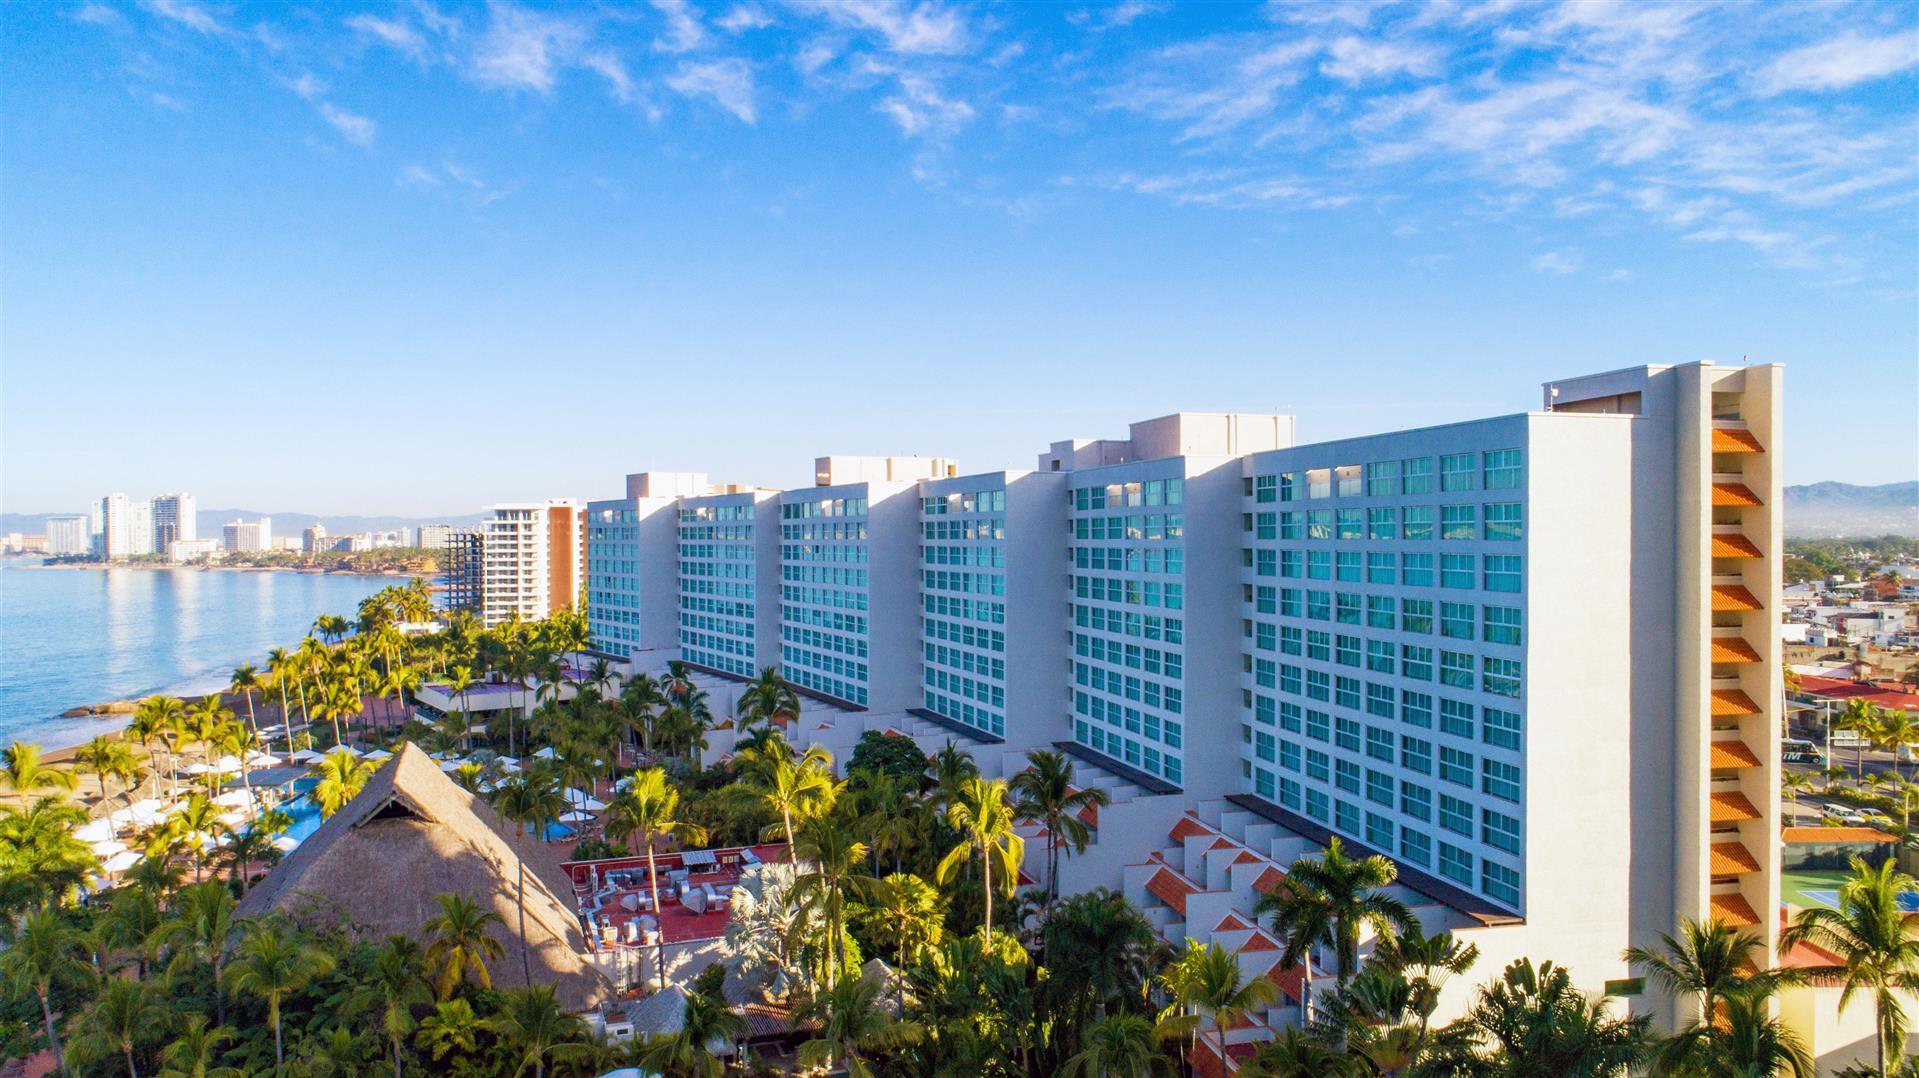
(524, 49)
(99, 15)
(744, 17)
(354, 128)
(684, 33)
(927, 27)
(417, 175)
(1354, 59)
(307, 87)
(1115, 16)
(393, 33)
(920, 109)
(193, 15)
(728, 82)
(1557, 262)
(611, 68)
(1843, 61)
(1620, 276)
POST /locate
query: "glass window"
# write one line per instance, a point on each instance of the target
(1416, 570)
(1379, 657)
(1379, 788)
(1379, 744)
(1346, 817)
(1502, 573)
(1457, 521)
(1346, 775)
(1382, 523)
(1456, 471)
(1418, 520)
(1456, 669)
(1346, 733)
(1346, 566)
(1347, 477)
(1416, 754)
(1456, 766)
(1456, 571)
(1498, 830)
(1502, 469)
(1416, 475)
(1382, 479)
(1498, 778)
(1382, 567)
(1500, 882)
(1319, 565)
(1456, 620)
(1318, 805)
(1501, 676)
(1318, 765)
(1415, 847)
(1500, 624)
(1415, 801)
(1265, 488)
(1500, 728)
(1503, 523)
(1455, 815)
(1416, 616)
(1381, 611)
(1456, 718)
(1455, 864)
(1379, 831)
(1292, 525)
(1416, 662)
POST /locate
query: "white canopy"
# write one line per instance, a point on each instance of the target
(139, 814)
(99, 830)
(379, 754)
(546, 753)
(262, 759)
(196, 769)
(285, 843)
(120, 862)
(109, 848)
(234, 798)
(576, 817)
(580, 799)
(306, 756)
(229, 762)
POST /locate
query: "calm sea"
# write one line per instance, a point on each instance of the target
(70, 637)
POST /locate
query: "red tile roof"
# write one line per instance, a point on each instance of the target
(1247, 857)
(1189, 827)
(1884, 694)
(1729, 703)
(1727, 755)
(1171, 888)
(1734, 440)
(1734, 910)
(1732, 859)
(1261, 941)
(1232, 922)
(1268, 880)
(1834, 834)
(1731, 807)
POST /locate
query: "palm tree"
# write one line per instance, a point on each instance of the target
(534, 1027)
(980, 811)
(851, 1026)
(46, 952)
(1100, 952)
(1860, 717)
(1205, 982)
(1119, 1046)
(949, 769)
(1046, 795)
(272, 963)
(193, 1052)
(1533, 1021)
(1709, 961)
(1793, 782)
(832, 855)
(198, 927)
(394, 986)
(197, 825)
(1876, 940)
(129, 923)
(458, 681)
(1745, 1039)
(649, 806)
(706, 1021)
(108, 757)
(1328, 901)
(22, 772)
(904, 908)
(40, 860)
(451, 1027)
(152, 718)
(531, 800)
(342, 776)
(125, 1012)
(766, 700)
(804, 787)
(1297, 1053)
(1895, 729)
(284, 667)
(246, 681)
(461, 942)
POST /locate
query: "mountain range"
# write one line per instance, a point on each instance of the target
(1814, 510)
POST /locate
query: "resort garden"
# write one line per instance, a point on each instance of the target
(122, 950)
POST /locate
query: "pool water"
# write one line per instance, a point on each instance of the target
(306, 815)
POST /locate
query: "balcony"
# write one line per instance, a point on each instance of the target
(1727, 598)
(1731, 703)
(1731, 755)
(1730, 806)
(1732, 859)
(1731, 543)
(1732, 491)
(1734, 439)
(1734, 910)
(1733, 649)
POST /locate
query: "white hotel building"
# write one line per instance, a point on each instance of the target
(1531, 658)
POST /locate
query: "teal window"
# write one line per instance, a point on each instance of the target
(1382, 523)
(1503, 469)
(1455, 864)
(1456, 669)
(1501, 676)
(1456, 571)
(1416, 570)
(1498, 830)
(1455, 815)
(1456, 472)
(1417, 523)
(1499, 779)
(1382, 479)
(1415, 847)
(1501, 624)
(1416, 616)
(1379, 831)
(1456, 620)
(1457, 521)
(1456, 718)
(1503, 522)
(1502, 573)
(1456, 766)
(1499, 882)
(1416, 475)
(1416, 754)
(1499, 728)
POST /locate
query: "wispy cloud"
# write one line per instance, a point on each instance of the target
(524, 49)
(684, 31)
(1115, 16)
(195, 16)
(919, 108)
(394, 33)
(1558, 263)
(728, 82)
(743, 17)
(1839, 62)
(99, 15)
(354, 128)
(925, 28)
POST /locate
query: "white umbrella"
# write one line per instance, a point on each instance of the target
(99, 830)
(262, 759)
(109, 848)
(228, 762)
(140, 814)
(451, 765)
(233, 799)
(348, 749)
(580, 799)
(120, 862)
(576, 817)
(285, 843)
(306, 756)
(196, 769)
(509, 761)
(379, 754)
(232, 819)
(546, 753)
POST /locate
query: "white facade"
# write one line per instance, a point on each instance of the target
(242, 536)
(112, 532)
(186, 550)
(68, 535)
(140, 536)
(435, 536)
(529, 564)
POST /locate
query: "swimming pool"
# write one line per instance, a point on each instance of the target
(306, 815)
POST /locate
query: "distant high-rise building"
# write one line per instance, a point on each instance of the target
(113, 538)
(465, 551)
(313, 540)
(68, 535)
(174, 518)
(140, 528)
(434, 536)
(531, 558)
(242, 536)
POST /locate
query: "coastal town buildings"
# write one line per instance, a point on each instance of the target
(188, 550)
(1530, 658)
(140, 538)
(112, 528)
(68, 535)
(175, 516)
(247, 536)
(434, 536)
(313, 539)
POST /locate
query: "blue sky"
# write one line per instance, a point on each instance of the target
(413, 258)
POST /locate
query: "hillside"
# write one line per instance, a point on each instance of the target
(1841, 509)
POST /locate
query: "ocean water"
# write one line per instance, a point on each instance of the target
(72, 637)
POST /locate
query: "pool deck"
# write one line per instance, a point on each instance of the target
(626, 879)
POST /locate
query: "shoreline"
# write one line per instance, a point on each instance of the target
(307, 571)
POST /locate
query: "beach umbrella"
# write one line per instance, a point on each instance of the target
(120, 862)
(379, 754)
(285, 843)
(233, 799)
(576, 817)
(196, 769)
(306, 756)
(99, 830)
(546, 753)
(580, 799)
(262, 759)
(108, 848)
(232, 819)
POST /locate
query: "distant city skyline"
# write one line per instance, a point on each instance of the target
(370, 258)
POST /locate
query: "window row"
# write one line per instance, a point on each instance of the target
(1127, 495)
(1494, 521)
(1495, 469)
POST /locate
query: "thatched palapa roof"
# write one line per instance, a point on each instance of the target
(413, 834)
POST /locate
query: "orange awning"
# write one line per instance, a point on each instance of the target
(1732, 807)
(1734, 494)
(1728, 597)
(1731, 754)
(1727, 440)
(1732, 859)
(1170, 889)
(1268, 880)
(1188, 827)
(1730, 545)
(1732, 649)
(1734, 910)
(1730, 703)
